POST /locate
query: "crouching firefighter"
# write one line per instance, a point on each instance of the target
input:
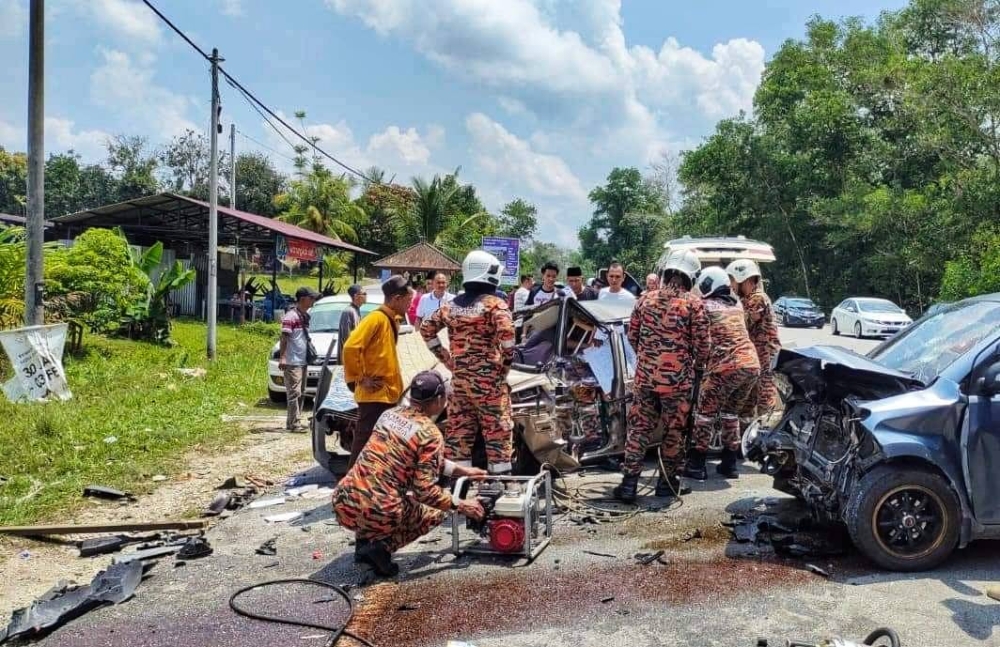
(763, 330)
(390, 497)
(669, 331)
(732, 371)
(481, 337)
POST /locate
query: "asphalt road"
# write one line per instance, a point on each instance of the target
(584, 590)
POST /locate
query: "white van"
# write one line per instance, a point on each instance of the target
(719, 251)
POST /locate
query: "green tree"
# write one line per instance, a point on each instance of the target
(321, 202)
(257, 184)
(628, 224)
(387, 206)
(13, 182)
(133, 167)
(186, 165)
(518, 219)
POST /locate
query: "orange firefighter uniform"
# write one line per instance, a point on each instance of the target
(763, 331)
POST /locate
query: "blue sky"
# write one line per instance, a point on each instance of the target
(536, 99)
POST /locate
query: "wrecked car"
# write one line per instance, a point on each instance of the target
(900, 445)
(570, 388)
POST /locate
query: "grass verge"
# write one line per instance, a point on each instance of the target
(132, 416)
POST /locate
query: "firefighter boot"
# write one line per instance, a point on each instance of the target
(668, 488)
(727, 466)
(376, 554)
(626, 492)
(695, 466)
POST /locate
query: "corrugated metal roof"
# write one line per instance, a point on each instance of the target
(167, 204)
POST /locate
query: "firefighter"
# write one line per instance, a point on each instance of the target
(390, 496)
(481, 336)
(669, 331)
(732, 371)
(745, 279)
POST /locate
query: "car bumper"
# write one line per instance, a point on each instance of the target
(882, 330)
(276, 378)
(805, 320)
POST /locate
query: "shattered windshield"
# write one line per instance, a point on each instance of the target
(931, 345)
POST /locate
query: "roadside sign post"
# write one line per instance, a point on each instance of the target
(508, 251)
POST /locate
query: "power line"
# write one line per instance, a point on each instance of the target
(263, 145)
(250, 96)
(263, 116)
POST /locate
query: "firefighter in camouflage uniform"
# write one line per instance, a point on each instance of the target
(763, 329)
(669, 331)
(732, 371)
(390, 496)
(481, 337)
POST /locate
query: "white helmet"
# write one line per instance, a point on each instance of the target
(683, 261)
(742, 269)
(712, 281)
(481, 267)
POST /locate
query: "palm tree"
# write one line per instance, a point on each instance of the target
(432, 209)
(321, 202)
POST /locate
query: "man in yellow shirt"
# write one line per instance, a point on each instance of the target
(371, 365)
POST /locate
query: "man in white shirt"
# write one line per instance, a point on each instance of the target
(430, 302)
(616, 290)
(547, 290)
(521, 295)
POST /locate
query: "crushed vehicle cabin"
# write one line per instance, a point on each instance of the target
(900, 445)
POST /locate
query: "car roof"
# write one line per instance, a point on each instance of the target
(373, 297)
(723, 247)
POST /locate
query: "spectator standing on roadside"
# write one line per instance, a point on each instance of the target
(652, 282)
(616, 285)
(294, 352)
(433, 300)
(521, 295)
(576, 288)
(371, 364)
(419, 290)
(547, 290)
(350, 317)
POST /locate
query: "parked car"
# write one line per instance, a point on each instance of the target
(798, 311)
(868, 317)
(324, 328)
(900, 445)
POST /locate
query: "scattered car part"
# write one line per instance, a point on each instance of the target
(647, 559)
(64, 603)
(284, 516)
(818, 571)
(218, 505)
(266, 503)
(269, 547)
(195, 548)
(149, 553)
(105, 545)
(101, 492)
(40, 531)
(234, 483)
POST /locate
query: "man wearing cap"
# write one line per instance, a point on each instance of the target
(371, 365)
(391, 496)
(581, 292)
(350, 317)
(294, 352)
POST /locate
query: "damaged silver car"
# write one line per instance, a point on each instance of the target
(900, 445)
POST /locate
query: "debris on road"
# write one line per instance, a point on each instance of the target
(24, 554)
(266, 503)
(63, 602)
(112, 544)
(817, 570)
(608, 599)
(101, 492)
(233, 483)
(269, 547)
(40, 531)
(787, 529)
(993, 592)
(692, 534)
(159, 478)
(285, 516)
(299, 491)
(590, 552)
(148, 553)
(195, 548)
(648, 558)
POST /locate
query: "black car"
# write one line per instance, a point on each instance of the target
(798, 311)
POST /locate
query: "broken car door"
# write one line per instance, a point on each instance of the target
(982, 437)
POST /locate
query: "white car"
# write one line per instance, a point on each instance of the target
(867, 317)
(324, 329)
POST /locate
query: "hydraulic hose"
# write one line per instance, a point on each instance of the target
(883, 632)
(336, 633)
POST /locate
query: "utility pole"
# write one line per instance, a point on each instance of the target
(213, 210)
(232, 205)
(34, 308)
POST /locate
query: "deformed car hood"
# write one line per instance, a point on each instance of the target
(821, 372)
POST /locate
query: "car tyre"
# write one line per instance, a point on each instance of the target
(833, 328)
(277, 397)
(889, 494)
(857, 329)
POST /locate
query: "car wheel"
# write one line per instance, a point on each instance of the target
(904, 518)
(833, 327)
(277, 397)
(857, 329)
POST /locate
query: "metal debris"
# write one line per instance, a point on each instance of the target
(817, 570)
(64, 603)
(101, 492)
(195, 548)
(608, 599)
(791, 534)
(266, 503)
(692, 534)
(233, 483)
(590, 552)
(648, 558)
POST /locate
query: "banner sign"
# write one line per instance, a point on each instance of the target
(299, 250)
(36, 356)
(508, 250)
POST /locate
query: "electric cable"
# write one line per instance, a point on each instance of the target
(263, 145)
(336, 632)
(250, 96)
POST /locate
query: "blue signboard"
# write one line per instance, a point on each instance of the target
(508, 251)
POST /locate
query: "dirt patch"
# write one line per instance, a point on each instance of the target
(692, 538)
(424, 612)
(28, 568)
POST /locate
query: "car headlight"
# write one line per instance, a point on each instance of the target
(750, 437)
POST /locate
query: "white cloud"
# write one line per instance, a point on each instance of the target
(407, 145)
(232, 7)
(60, 137)
(127, 18)
(124, 84)
(13, 19)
